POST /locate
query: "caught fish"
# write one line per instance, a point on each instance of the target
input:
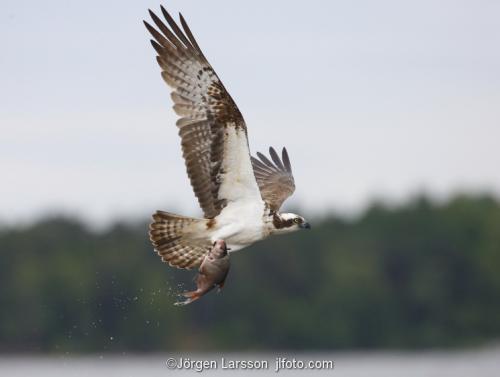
(212, 273)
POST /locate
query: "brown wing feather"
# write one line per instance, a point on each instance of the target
(275, 178)
(202, 102)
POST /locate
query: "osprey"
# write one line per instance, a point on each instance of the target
(240, 195)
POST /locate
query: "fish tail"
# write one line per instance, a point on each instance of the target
(190, 297)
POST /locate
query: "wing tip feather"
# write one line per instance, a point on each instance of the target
(286, 160)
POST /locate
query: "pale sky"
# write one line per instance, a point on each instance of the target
(373, 99)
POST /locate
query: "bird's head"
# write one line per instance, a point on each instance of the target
(289, 222)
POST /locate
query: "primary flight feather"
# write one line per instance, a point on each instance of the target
(240, 195)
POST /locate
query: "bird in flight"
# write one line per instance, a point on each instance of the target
(240, 195)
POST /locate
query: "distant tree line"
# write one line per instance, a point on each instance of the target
(419, 275)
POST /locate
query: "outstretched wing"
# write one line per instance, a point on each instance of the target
(275, 180)
(212, 130)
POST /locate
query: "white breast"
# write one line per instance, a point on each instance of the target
(240, 224)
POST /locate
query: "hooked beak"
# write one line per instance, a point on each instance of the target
(305, 226)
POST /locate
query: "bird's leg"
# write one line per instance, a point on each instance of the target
(220, 286)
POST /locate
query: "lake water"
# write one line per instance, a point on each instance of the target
(478, 363)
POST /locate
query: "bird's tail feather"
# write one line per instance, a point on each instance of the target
(180, 241)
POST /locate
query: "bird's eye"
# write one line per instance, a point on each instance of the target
(296, 220)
